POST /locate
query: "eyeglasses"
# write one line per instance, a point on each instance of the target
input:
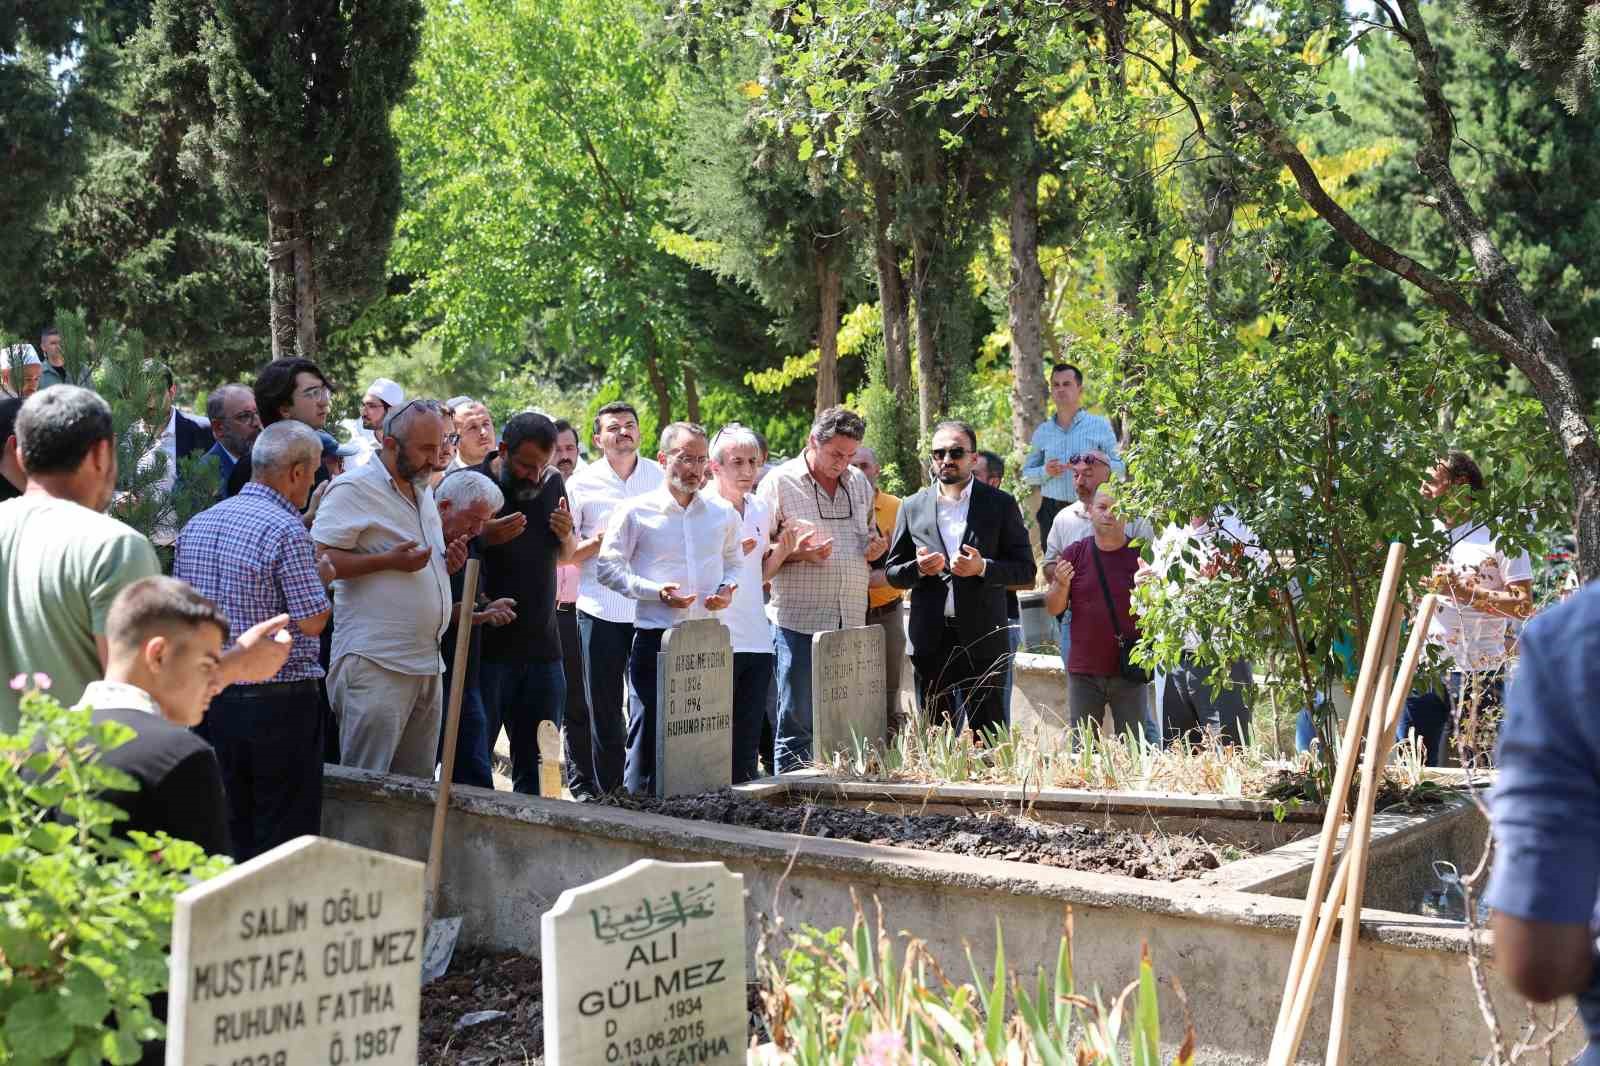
(452, 439)
(246, 418)
(688, 460)
(954, 453)
(1085, 459)
(317, 392)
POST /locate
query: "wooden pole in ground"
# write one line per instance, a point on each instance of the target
(1379, 740)
(452, 728)
(1359, 709)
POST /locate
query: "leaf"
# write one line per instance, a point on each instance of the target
(84, 1000)
(35, 1029)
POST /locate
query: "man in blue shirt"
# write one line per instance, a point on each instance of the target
(1072, 432)
(1546, 811)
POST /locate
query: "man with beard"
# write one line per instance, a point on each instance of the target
(677, 553)
(605, 617)
(522, 677)
(380, 526)
(958, 545)
(576, 712)
(235, 422)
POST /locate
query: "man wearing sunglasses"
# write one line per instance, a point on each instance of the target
(958, 545)
(1073, 431)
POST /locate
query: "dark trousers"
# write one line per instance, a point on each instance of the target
(769, 728)
(268, 740)
(1195, 708)
(606, 647)
(954, 675)
(519, 696)
(639, 770)
(752, 680)
(575, 715)
(473, 765)
(1429, 714)
(1048, 509)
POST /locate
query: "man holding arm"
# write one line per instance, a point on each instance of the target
(1073, 431)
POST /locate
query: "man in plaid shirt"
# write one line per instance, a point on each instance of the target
(252, 555)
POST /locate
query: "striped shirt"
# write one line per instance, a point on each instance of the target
(1088, 432)
(820, 597)
(592, 494)
(252, 555)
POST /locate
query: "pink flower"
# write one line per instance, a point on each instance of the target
(18, 681)
(41, 682)
(883, 1049)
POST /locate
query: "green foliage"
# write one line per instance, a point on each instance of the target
(841, 998)
(85, 916)
(1558, 39)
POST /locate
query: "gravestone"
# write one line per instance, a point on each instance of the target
(647, 966)
(310, 953)
(847, 689)
(694, 709)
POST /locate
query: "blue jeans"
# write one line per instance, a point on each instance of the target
(639, 769)
(520, 696)
(473, 764)
(752, 679)
(792, 662)
(606, 646)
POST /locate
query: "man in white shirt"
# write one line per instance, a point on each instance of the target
(1481, 590)
(735, 462)
(380, 527)
(381, 397)
(20, 369)
(605, 616)
(475, 428)
(181, 436)
(678, 554)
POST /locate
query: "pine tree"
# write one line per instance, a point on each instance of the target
(1558, 39)
(288, 103)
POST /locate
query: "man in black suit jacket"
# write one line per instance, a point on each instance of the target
(958, 545)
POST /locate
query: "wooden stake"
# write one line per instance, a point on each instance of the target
(549, 760)
(452, 727)
(1379, 740)
(1359, 712)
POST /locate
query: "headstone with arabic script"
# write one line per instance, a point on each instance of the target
(647, 966)
(694, 709)
(847, 690)
(310, 953)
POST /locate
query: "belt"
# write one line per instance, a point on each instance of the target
(273, 688)
(567, 608)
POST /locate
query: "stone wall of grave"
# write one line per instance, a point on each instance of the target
(514, 855)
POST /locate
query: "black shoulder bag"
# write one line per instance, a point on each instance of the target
(1134, 675)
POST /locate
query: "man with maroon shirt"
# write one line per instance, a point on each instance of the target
(1094, 663)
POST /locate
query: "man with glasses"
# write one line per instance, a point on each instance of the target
(286, 388)
(822, 508)
(1073, 431)
(235, 422)
(677, 553)
(958, 545)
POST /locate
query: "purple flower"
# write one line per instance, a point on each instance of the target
(18, 681)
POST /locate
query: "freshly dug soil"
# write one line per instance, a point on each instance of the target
(1156, 856)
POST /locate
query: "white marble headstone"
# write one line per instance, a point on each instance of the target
(694, 709)
(647, 966)
(310, 953)
(847, 690)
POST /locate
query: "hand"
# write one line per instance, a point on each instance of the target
(720, 598)
(407, 557)
(326, 573)
(316, 500)
(1055, 467)
(261, 652)
(817, 552)
(793, 538)
(877, 544)
(673, 598)
(497, 613)
(747, 545)
(455, 554)
(1144, 574)
(1445, 580)
(968, 564)
(930, 563)
(1064, 573)
(505, 528)
(561, 520)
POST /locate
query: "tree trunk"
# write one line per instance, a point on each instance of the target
(830, 291)
(891, 285)
(1026, 297)
(691, 395)
(282, 321)
(931, 301)
(305, 291)
(658, 380)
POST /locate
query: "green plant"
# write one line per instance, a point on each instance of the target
(838, 998)
(85, 916)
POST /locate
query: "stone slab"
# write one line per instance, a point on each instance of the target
(308, 954)
(647, 966)
(694, 709)
(847, 690)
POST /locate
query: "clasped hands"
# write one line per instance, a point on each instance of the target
(716, 601)
(966, 564)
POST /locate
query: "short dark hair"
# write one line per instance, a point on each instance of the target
(49, 331)
(8, 416)
(993, 465)
(1059, 367)
(1462, 469)
(615, 407)
(960, 427)
(529, 426)
(156, 366)
(155, 606)
(58, 427)
(563, 426)
(274, 387)
(838, 422)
